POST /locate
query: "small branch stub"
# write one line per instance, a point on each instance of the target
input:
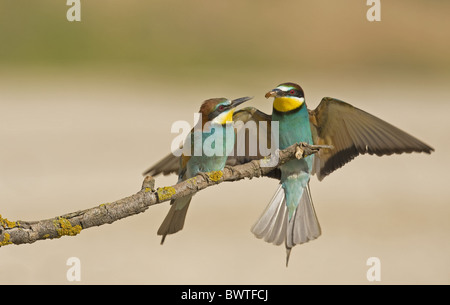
(148, 184)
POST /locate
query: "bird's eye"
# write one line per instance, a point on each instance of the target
(292, 92)
(221, 107)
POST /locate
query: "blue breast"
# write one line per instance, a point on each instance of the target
(216, 145)
(294, 127)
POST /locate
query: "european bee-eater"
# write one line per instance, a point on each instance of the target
(290, 215)
(218, 112)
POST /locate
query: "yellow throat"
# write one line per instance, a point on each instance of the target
(285, 104)
(224, 117)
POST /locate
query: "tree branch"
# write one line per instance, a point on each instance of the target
(71, 224)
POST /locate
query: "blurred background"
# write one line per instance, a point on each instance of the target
(86, 107)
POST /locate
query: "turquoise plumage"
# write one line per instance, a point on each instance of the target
(294, 128)
(217, 141)
(299, 223)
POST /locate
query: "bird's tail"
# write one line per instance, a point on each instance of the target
(304, 225)
(175, 218)
(274, 225)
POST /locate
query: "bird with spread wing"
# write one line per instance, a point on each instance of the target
(290, 216)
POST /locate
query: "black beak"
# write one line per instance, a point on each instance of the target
(238, 101)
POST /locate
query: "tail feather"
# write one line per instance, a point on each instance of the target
(175, 218)
(304, 225)
(274, 227)
(271, 226)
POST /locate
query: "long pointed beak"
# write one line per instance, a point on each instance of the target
(272, 93)
(238, 101)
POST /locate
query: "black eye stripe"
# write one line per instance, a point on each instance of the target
(221, 108)
(218, 111)
(293, 92)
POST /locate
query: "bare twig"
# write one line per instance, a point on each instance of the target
(26, 232)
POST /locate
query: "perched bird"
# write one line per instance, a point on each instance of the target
(290, 216)
(217, 112)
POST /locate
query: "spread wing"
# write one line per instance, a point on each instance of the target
(352, 132)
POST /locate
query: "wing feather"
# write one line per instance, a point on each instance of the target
(352, 132)
(170, 164)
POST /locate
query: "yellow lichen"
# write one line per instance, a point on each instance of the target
(8, 224)
(46, 236)
(215, 175)
(6, 240)
(64, 227)
(165, 193)
(192, 182)
(147, 189)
